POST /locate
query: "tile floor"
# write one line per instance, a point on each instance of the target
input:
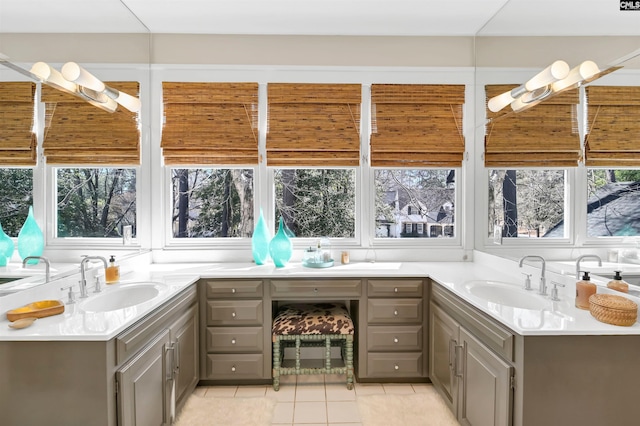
(314, 400)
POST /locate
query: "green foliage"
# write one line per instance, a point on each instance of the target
(317, 202)
(213, 203)
(95, 202)
(16, 195)
(627, 175)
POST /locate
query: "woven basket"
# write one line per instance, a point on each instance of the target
(612, 309)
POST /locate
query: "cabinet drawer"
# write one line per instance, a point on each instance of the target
(235, 366)
(234, 289)
(235, 339)
(395, 288)
(400, 338)
(395, 365)
(394, 311)
(314, 288)
(234, 312)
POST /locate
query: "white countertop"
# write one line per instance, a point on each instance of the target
(555, 318)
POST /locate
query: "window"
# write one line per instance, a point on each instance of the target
(527, 203)
(613, 203)
(425, 197)
(16, 195)
(95, 202)
(212, 203)
(316, 202)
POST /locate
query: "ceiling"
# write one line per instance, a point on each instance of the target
(322, 17)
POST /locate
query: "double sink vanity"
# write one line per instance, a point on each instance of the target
(497, 353)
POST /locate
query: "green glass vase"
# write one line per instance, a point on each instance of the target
(260, 241)
(30, 239)
(280, 247)
(6, 247)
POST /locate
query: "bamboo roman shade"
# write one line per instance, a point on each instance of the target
(613, 134)
(313, 124)
(78, 133)
(17, 140)
(417, 125)
(210, 123)
(545, 135)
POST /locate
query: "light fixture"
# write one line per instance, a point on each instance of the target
(75, 73)
(51, 76)
(554, 72)
(553, 80)
(576, 76)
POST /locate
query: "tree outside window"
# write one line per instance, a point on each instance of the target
(527, 203)
(95, 202)
(16, 195)
(212, 203)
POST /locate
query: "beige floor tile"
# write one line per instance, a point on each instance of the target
(346, 424)
(200, 391)
(398, 388)
(339, 392)
(310, 392)
(335, 378)
(422, 387)
(310, 424)
(251, 391)
(283, 413)
(286, 393)
(311, 378)
(221, 391)
(342, 411)
(310, 412)
(369, 389)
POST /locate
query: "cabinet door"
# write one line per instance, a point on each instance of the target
(143, 394)
(443, 338)
(485, 397)
(184, 334)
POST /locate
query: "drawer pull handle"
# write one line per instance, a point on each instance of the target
(233, 290)
(395, 340)
(315, 290)
(395, 313)
(233, 314)
(233, 369)
(233, 341)
(396, 367)
(395, 290)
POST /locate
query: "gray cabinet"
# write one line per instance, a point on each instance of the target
(392, 336)
(233, 331)
(156, 381)
(474, 381)
(161, 376)
(128, 380)
(145, 386)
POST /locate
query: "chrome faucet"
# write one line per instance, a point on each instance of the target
(83, 278)
(543, 281)
(47, 265)
(586, 256)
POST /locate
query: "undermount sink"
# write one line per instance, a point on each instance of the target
(122, 297)
(505, 294)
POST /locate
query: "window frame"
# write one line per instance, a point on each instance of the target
(51, 213)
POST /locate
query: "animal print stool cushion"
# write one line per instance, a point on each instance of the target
(313, 318)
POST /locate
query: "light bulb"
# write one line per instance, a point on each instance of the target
(74, 72)
(556, 71)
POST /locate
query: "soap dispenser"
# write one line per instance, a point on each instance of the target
(112, 273)
(584, 289)
(618, 284)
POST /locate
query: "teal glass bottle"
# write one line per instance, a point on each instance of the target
(6, 247)
(30, 238)
(260, 241)
(280, 247)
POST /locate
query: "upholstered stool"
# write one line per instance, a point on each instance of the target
(315, 324)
